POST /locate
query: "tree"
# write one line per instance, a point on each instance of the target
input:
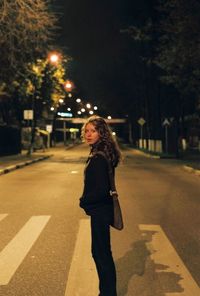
(26, 30)
(42, 89)
(178, 52)
(146, 102)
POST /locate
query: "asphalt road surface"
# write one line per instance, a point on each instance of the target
(45, 236)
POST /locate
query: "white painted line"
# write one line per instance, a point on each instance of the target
(74, 172)
(16, 250)
(2, 216)
(82, 278)
(162, 252)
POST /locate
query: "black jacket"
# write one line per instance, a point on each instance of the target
(96, 194)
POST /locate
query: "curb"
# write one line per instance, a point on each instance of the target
(22, 164)
(147, 154)
(191, 170)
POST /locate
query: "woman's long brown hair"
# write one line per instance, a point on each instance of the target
(106, 143)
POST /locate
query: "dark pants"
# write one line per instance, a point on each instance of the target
(102, 255)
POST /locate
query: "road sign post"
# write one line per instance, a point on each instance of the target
(141, 122)
(166, 124)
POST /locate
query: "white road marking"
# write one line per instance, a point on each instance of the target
(82, 279)
(2, 216)
(16, 250)
(162, 252)
(74, 172)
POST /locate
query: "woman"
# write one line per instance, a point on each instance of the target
(96, 199)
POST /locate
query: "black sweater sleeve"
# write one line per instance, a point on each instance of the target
(96, 184)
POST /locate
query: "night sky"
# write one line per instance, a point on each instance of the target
(91, 35)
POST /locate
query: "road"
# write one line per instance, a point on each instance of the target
(45, 236)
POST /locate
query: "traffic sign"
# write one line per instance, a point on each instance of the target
(28, 114)
(166, 122)
(141, 121)
(49, 128)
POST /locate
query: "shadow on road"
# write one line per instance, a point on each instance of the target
(133, 263)
(158, 282)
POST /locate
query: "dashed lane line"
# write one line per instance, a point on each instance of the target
(164, 254)
(16, 250)
(82, 279)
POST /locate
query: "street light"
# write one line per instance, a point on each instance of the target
(54, 57)
(88, 105)
(78, 100)
(68, 85)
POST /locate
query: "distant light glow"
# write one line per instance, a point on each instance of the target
(52, 108)
(69, 95)
(53, 57)
(79, 112)
(91, 112)
(88, 105)
(83, 110)
(95, 107)
(114, 133)
(73, 130)
(68, 109)
(78, 100)
(61, 100)
(68, 85)
(65, 114)
(109, 117)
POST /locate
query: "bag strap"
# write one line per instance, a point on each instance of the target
(113, 191)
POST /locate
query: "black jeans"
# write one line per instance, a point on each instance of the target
(102, 255)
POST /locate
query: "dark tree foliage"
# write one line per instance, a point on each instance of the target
(178, 52)
(26, 29)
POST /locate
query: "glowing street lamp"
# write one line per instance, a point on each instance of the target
(91, 112)
(88, 106)
(68, 85)
(54, 57)
(78, 100)
(95, 107)
(109, 117)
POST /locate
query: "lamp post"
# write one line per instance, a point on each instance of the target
(54, 58)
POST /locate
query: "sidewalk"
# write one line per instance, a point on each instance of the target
(13, 162)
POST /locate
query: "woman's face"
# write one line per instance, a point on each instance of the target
(91, 134)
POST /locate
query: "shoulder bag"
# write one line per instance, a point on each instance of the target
(117, 219)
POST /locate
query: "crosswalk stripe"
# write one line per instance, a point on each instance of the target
(16, 250)
(82, 278)
(163, 253)
(2, 216)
